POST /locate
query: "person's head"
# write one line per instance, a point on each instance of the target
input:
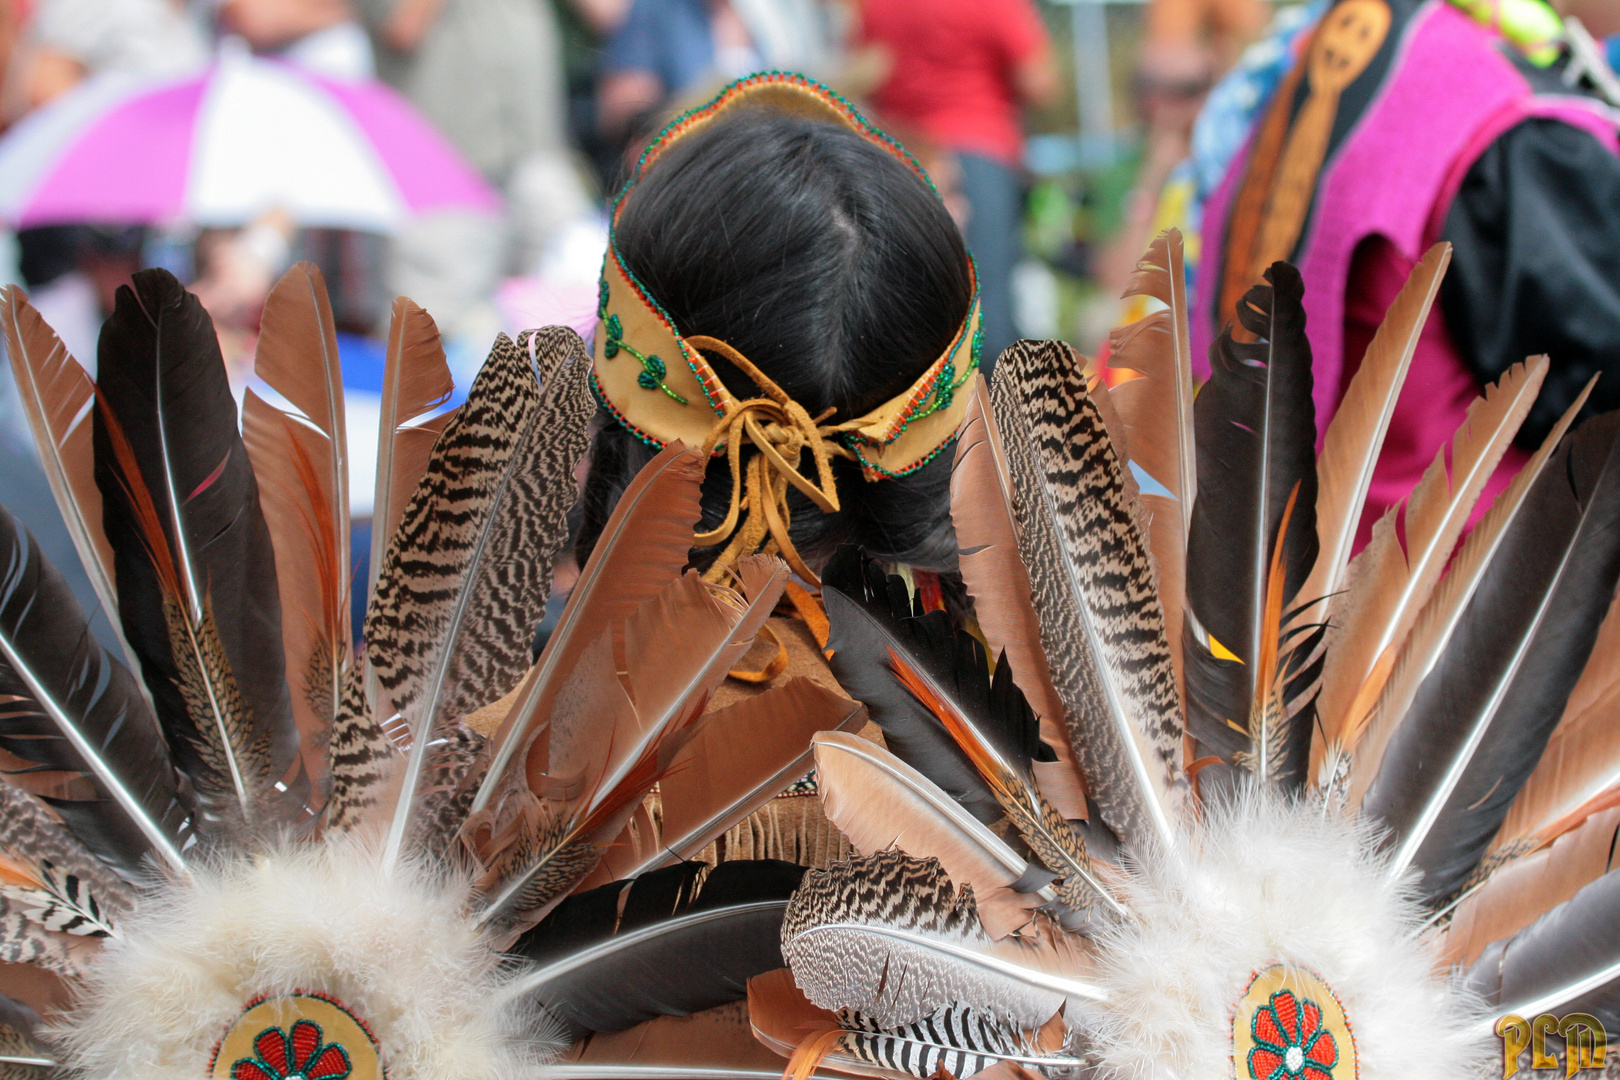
(824, 259)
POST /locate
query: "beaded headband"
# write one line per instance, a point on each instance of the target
(660, 386)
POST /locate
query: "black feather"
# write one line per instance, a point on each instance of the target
(686, 966)
(870, 613)
(161, 377)
(1482, 716)
(1255, 424)
(53, 673)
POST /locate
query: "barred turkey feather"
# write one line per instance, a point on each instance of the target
(24, 941)
(987, 541)
(27, 827)
(880, 802)
(468, 574)
(891, 937)
(59, 901)
(363, 758)
(1092, 582)
(956, 1040)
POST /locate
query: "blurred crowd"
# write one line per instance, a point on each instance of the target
(543, 105)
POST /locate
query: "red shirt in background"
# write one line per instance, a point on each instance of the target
(953, 68)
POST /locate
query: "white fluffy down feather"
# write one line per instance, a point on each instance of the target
(402, 954)
(1265, 881)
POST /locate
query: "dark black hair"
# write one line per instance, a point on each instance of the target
(835, 269)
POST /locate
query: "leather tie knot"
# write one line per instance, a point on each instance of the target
(780, 429)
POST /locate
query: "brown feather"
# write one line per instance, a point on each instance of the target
(880, 802)
(745, 753)
(416, 380)
(987, 538)
(1354, 437)
(1156, 408)
(629, 706)
(1052, 840)
(1388, 584)
(1521, 890)
(287, 456)
(1432, 627)
(1580, 767)
(641, 550)
(297, 356)
(56, 397)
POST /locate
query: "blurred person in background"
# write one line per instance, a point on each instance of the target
(320, 35)
(1186, 46)
(60, 43)
(959, 73)
(667, 51)
(1391, 125)
(489, 75)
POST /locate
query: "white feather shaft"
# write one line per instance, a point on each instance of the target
(538, 978)
(1040, 980)
(98, 765)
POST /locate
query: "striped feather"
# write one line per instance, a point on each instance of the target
(1157, 410)
(468, 574)
(880, 802)
(1091, 579)
(889, 936)
(956, 1040)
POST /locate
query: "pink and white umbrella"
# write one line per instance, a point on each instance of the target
(219, 148)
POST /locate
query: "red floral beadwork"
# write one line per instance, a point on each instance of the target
(298, 1054)
(1289, 1041)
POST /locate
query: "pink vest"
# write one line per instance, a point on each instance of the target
(1451, 92)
